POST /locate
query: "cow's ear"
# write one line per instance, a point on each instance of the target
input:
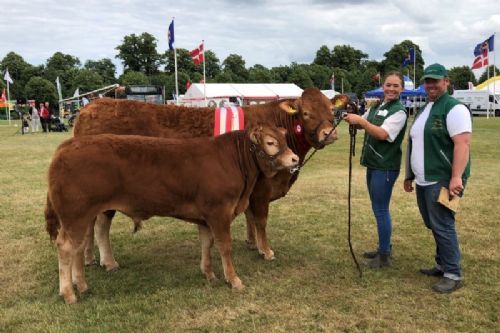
(282, 130)
(255, 134)
(340, 101)
(290, 107)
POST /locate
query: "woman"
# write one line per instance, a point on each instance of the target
(384, 126)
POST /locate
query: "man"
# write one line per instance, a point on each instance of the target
(438, 156)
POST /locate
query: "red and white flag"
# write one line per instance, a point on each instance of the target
(482, 59)
(197, 54)
(4, 97)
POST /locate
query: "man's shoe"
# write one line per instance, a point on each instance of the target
(431, 271)
(370, 254)
(447, 285)
(380, 260)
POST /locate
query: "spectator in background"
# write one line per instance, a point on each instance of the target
(45, 116)
(35, 118)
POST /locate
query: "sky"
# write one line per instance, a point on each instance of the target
(270, 33)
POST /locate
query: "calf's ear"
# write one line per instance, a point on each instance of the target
(282, 130)
(255, 134)
(340, 101)
(290, 107)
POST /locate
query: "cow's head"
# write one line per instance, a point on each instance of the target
(316, 115)
(270, 149)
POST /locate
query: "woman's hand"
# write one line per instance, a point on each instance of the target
(354, 119)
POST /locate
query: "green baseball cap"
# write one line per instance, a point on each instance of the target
(435, 71)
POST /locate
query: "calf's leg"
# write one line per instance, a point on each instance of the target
(222, 235)
(65, 254)
(207, 241)
(102, 227)
(257, 214)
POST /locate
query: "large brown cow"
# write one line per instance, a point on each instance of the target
(202, 180)
(308, 120)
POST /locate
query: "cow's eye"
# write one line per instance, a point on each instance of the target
(270, 143)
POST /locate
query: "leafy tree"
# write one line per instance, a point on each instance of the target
(324, 57)
(130, 78)
(484, 76)
(347, 57)
(281, 73)
(184, 62)
(212, 65)
(395, 56)
(259, 74)
(320, 75)
(19, 70)
(300, 77)
(41, 90)
(461, 76)
(104, 67)
(235, 64)
(138, 53)
(87, 80)
(65, 67)
(224, 77)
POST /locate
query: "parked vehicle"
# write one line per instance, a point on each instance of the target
(479, 101)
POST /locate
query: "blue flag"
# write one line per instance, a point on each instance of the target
(171, 37)
(487, 44)
(410, 58)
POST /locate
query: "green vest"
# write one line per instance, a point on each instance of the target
(438, 146)
(383, 155)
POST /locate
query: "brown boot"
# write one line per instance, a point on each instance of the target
(380, 260)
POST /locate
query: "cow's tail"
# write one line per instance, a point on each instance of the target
(52, 223)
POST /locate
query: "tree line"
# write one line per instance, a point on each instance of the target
(144, 64)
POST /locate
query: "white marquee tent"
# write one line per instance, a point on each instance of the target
(223, 93)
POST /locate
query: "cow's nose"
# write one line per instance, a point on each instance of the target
(295, 159)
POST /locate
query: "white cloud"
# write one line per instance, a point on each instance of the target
(270, 33)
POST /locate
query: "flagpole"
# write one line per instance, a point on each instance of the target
(204, 78)
(494, 75)
(414, 64)
(176, 78)
(8, 101)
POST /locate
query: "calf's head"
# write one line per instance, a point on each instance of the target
(315, 113)
(270, 149)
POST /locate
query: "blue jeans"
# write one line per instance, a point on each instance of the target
(380, 184)
(441, 221)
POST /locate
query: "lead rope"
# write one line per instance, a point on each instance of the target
(352, 152)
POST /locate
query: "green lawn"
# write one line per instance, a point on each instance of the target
(312, 286)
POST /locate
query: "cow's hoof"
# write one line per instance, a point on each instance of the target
(269, 256)
(82, 288)
(111, 267)
(237, 285)
(69, 299)
(211, 278)
(251, 245)
(91, 262)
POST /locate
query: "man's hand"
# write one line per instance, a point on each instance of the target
(456, 187)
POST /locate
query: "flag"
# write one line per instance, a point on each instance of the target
(410, 58)
(332, 81)
(171, 37)
(376, 77)
(188, 84)
(58, 84)
(4, 97)
(7, 77)
(482, 59)
(197, 54)
(77, 92)
(489, 43)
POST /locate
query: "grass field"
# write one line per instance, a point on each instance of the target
(312, 286)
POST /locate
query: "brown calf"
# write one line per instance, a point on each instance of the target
(207, 181)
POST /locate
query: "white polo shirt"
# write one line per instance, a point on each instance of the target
(392, 124)
(458, 121)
